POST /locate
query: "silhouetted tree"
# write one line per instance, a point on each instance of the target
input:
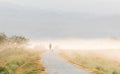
(18, 39)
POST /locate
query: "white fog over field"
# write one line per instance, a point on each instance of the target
(78, 44)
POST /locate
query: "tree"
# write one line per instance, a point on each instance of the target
(18, 39)
(3, 37)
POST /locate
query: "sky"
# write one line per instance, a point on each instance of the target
(60, 18)
(91, 6)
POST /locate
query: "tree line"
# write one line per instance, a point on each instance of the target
(13, 39)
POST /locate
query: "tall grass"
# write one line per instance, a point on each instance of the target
(95, 64)
(17, 60)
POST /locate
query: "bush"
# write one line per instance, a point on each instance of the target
(3, 70)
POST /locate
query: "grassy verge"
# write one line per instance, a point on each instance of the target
(92, 62)
(15, 60)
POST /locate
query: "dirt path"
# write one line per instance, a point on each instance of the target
(57, 65)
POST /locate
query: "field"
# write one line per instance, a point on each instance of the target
(95, 61)
(15, 59)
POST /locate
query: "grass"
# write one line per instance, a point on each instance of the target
(18, 60)
(95, 64)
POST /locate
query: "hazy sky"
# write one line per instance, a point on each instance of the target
(91, 6)
(60, 18)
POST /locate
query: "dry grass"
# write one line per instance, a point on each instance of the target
(97, 61)
(18, 60)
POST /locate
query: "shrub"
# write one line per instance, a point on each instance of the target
(3, 70)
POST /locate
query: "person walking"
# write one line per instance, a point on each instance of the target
(50, 46)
